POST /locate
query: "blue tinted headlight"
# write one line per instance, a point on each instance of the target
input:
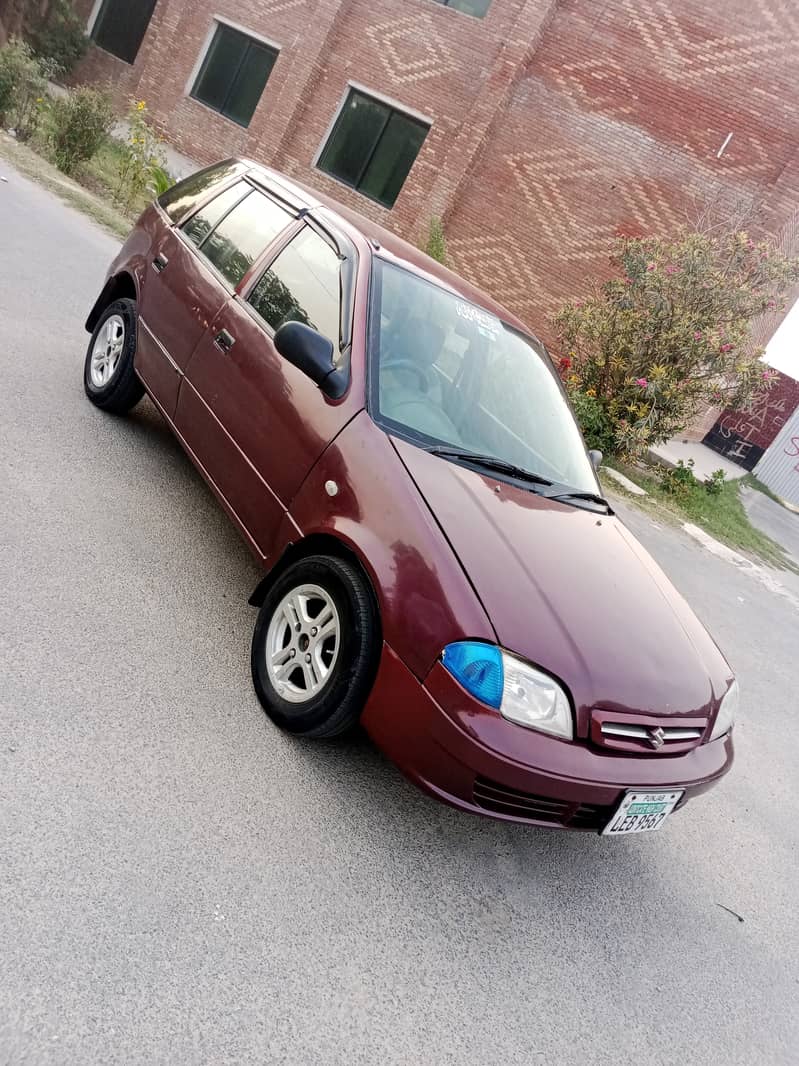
(478, 667)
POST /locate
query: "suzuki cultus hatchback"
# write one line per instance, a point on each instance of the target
(398, 453)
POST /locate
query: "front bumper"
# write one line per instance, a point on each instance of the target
(467, 755)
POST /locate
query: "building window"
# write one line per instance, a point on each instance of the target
(372, 147)
(120, 27)
(233, 74)
(477, 8)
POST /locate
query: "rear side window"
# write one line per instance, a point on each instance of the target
(236, 238)
(302, 285)
(184, 197)
(203, 221)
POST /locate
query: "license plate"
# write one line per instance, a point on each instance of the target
(642, 812)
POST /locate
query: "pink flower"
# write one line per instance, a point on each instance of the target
(726, 347)
(771, 305)
(641, 383)
(651, 266)
(766, 375)
(628, 281)
(672, 269)
(697, 334)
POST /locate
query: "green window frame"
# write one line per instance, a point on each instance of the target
(120, 26)
(372, 146)
(234, 73)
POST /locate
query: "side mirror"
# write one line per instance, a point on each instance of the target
(596, 458)
(311, 353)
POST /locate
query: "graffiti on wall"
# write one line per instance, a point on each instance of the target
(743, 436)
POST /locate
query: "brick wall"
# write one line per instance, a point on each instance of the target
(555, 123)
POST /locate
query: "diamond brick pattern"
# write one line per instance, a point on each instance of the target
(411, 49)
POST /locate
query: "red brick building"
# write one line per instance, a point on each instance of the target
(536, 129)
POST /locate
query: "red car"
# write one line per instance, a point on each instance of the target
(399, 455)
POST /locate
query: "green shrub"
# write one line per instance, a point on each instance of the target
(160, 180)
(436, 246)
(60, 36)
(680, 480)
(714, 483)
(23, 88)
(81, 122)
(596, 427)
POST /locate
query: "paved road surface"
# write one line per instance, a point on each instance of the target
(181, 884)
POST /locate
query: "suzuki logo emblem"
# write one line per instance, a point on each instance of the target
(656, 737)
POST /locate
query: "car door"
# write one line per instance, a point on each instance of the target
(179, 294)
(256, 422)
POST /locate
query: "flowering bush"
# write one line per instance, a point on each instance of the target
(142, 169)
(670, 334)
(81, 122)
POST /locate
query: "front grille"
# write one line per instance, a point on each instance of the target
(666, 733)
(646, 735)
(501, 799)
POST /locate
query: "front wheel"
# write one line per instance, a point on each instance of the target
(315, 647)
(108, 375)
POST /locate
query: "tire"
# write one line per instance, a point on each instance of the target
(108, 375)
(350, 658)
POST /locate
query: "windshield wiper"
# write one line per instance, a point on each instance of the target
(592, 497)
(490, 462)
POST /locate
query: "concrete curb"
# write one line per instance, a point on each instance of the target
(759, 573)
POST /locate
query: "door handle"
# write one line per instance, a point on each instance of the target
(224, 341)
(159, 262)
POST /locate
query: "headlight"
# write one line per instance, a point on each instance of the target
(727, 712)
(517, 690)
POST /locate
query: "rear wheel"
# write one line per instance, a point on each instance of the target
(315, 647)
(108, 375)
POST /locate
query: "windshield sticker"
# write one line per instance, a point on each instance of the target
(487, 324)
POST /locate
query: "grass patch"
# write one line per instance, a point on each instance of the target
(35, 166)
(722, 515)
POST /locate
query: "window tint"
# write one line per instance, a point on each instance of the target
(302, 285)
(234, 73)
(120, 26)
(243, 234)
(372, 147)
(184, 196)
(477, 8)
(203, 221)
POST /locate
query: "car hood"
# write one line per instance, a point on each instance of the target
(574, 592)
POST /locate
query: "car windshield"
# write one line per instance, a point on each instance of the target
(452, 374)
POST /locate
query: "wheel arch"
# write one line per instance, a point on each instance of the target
(120, 286)
(313, 544)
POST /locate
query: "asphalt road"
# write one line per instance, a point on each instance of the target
(181, 884)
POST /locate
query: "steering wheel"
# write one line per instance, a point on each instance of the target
(409, 364)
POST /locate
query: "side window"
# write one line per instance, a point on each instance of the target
(183, 197)
(203, 221)
(302, 285)
(243, 234)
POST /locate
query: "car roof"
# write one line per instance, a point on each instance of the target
(384, 241)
